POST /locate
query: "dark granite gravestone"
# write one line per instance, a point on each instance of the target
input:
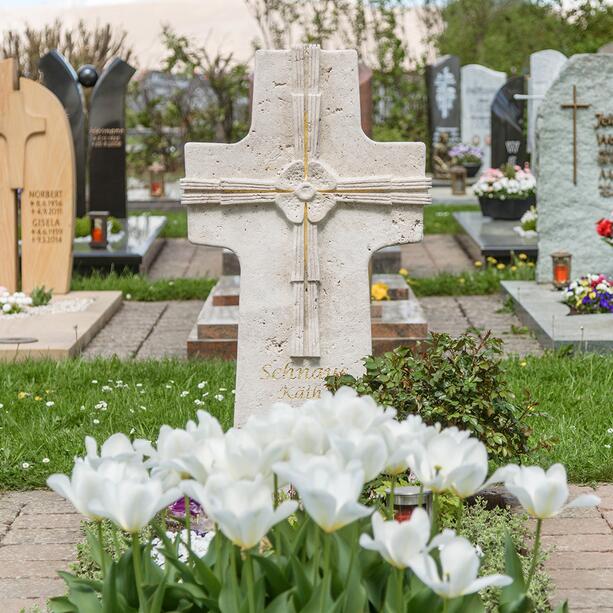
(107, 140)
(60, 77)
(444, 100)
(508, 119)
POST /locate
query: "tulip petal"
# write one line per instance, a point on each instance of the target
(488, 581)
(584, 500)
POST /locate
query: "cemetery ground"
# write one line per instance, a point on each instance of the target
(132, 378)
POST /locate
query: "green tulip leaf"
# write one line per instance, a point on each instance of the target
(273, 574)
(562, 607)
(304, 589)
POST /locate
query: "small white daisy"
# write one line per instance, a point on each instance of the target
(107, 388)
(94, 381)
(202, 384)
(184, 393)
(96, 421)
(218, 397)
(25, 465)
(610, 431)
(139, 385)
(50, 403)
(46, 460)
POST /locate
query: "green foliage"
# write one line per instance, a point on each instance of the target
(301, 569)
(47, 408)
(454, 381)
(176, 222)
(83, 226)
(488, 530)
(502, 35)
(438, 218)
(141, 289)
(41, 296)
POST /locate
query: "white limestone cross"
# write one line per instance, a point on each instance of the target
(304, 200)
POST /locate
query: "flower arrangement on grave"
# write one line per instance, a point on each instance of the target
(528, 223)
(313, 546)
(507, 183)
(17, 302)
(466, 154)
(604, 227)
(590, 294)
(379, 291)
(83, 227)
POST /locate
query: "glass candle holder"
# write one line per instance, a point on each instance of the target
(561, 261)
(407, 499)
(157, 187)
(458, 180)
(99, 229)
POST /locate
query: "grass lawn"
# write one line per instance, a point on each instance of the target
(176, 225)
(139, 288)
(438, 218)
(142, 395)
(575, 394)
(48, 408)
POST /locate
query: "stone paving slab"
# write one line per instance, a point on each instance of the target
(41, 533)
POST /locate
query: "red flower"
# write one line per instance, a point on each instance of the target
(604, 227)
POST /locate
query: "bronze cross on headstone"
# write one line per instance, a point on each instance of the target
(575, 106)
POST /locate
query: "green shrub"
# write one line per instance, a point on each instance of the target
(41, 296)
(455, 381)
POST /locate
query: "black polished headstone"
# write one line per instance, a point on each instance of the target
(59, 76)
(508, 129)
(444, 100)
(107, 140)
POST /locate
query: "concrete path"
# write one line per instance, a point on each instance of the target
(39, 531)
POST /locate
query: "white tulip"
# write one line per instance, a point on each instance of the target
(329, 490)
(80, 489)
(452, 461)
(244, 458)
(399, 542)
(542, 494)
(207, 427)
(369, 450)
(132, 504)
(242, 509)
(401, 438)
(87, 482)
(459, 564)
(205, 458)
(172, 444)
(118, 447)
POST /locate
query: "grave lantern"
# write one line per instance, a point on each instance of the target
(407, 499)
(458, 180)
(156, 180)
(561, 269)
(99, 229)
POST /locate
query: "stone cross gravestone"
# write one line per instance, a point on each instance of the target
(304, 200)
(36, 164)
(575, 170)
(544, 68)
(508, 134)
(479, 86)
(444, 99)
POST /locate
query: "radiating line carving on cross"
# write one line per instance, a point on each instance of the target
(306, 191)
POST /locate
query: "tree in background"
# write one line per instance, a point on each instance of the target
(375, 28)
(208, 103)
(80, 45)
(502, 34)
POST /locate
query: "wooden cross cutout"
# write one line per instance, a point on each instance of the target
(16, 124)
(304, 201)
(575, 106)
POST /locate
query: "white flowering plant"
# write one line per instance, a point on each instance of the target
(507, 183)
(528, 223)
(290, 532)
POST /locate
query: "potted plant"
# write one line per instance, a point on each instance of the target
(468, 156)
(589, 294)
(506, 193)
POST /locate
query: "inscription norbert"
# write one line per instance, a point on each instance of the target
(46, 209)
(299, 382)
